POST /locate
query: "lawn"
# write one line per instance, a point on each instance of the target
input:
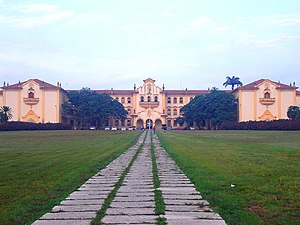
(40, 168)
(263, 166)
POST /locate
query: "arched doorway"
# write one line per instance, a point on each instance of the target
(139, 124)
(149, 123)
(158, 124)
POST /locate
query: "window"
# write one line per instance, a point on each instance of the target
(149, 99)
(169, 123)
(122, 100)
(267, 95)
(30, 95)
(117, 122)
(129, 123)
(169, 111)
(156, 99)
(174, 123)
(175, 100)
(128, 100)
(175, 112)
(181, 100)
(169, 100)
(142, 99)
(129, 110)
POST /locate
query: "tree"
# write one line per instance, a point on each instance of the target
(211, 109)
(293, 112)
(232, 81)
(88, 107)
(5, 114)
(180, 120)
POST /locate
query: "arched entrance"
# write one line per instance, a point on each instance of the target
(158, 124)
(139, 124)
(149, 123)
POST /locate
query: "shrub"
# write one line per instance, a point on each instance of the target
(13, 126)
(263, 125)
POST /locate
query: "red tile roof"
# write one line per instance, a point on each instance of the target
(39, 82)
(254, 85)
(186, 92)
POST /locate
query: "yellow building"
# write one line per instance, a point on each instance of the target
(265, 100)
(34, 101)
(40, 102)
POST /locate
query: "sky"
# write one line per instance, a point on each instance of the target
(191, 44)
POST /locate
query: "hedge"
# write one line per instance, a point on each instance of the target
(263, 125)
(13, 126)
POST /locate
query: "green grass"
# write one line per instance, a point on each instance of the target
(40, 168)
(159, 200)
(264, 166)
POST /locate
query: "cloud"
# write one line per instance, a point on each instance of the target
(283, 20)
(167, 13)
(34, 15)
(196, 24)
(275, 20)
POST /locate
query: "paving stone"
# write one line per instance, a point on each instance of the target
(195, 222)
(69, 215)
(185, 202)
(75, 208)
(187, 208)
(62, 222)
(83, 202)
(130, 211)
(85, 197)
(115, 204)
(189, 215)
(124, 219)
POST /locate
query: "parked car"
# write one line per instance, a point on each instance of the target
(92, 128)
(107, 128)
(130, 128)
(192, 128)
(113, 128)
(123, 128)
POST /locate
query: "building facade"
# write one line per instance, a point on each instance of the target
(147, 105)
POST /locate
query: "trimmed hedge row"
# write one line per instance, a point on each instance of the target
(262, 125)
(13, 126)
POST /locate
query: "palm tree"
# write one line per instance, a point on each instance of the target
(5, 113)
(232, 81)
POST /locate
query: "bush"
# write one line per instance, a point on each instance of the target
(13, 126)
(262, 125)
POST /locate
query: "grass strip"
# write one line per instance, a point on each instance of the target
(107, 202)
(159, 200)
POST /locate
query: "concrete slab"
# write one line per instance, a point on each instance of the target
(68, 215)
(62, 222)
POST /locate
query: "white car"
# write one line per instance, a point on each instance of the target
(92, 128)
(130, 128)
(114, 128)
(123, 128)
(107, 128)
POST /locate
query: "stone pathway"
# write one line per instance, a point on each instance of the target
(183, 203)
(81, 206)
(134, 202)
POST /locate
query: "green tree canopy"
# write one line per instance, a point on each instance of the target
(293, 112)
(215, 107)
(88, 107)
(5, 114)
(232, 81)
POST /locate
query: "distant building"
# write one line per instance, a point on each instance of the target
(148, 105)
